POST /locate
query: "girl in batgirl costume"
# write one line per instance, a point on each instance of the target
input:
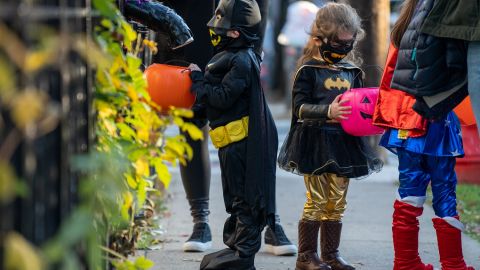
(316, 146)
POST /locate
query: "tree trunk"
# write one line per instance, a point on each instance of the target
(375, 15)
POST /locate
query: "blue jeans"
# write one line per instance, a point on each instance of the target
(473, 63)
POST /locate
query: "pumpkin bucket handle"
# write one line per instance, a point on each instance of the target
(377, 67)
(178, 62)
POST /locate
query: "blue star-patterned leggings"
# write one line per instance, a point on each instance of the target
(418, 170)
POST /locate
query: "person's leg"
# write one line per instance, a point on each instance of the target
(242, 232)
(331, 227)
(308, 226)
(447, 223)
(196, 182)
(473, 63)
(407, 208)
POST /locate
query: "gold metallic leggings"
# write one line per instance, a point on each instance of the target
(326, 197)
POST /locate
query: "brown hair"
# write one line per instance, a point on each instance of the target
(330, 20)
(406, 14)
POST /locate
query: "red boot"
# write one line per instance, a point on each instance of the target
(449, 245)
(405, 237)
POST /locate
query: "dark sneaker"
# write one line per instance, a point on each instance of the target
(277, 243)
(200, 240)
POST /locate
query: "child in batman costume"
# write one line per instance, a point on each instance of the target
(316, 146)
(243, 131)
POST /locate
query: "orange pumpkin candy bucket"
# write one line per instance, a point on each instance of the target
(465, 113)
(169, 86)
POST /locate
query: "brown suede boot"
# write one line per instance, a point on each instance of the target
(329, 243)
(307, 247)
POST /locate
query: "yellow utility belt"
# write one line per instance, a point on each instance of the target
(232, 132)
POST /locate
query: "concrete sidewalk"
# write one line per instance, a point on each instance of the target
(366, 240)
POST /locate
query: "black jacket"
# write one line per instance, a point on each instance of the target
(224, 87)
(430, 68)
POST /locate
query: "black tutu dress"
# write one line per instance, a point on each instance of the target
(315, 147)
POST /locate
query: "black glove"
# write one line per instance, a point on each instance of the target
(198, 85)
(160, 18)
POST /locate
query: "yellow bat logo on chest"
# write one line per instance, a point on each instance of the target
(333, 83)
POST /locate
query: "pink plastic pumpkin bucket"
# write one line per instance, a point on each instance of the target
(363, 101)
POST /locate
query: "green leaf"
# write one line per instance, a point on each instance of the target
(126, 132)
(107, 24)
(134, 64)
(143, 263)
(141, 192)
(106, 8)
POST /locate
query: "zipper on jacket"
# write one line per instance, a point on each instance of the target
(414, 59)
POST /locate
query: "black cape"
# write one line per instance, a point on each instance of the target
(261, 152)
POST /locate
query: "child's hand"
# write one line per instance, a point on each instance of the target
(194, 67)
(338, 111)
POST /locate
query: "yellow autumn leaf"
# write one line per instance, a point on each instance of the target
(182, 112)
(142, 168)
(116, 82)
(132, 183)
(37, 59)
(143, 134)
(152, 45)
(110, 127)
(178, 121)
(193, 131)
(143, 263)
(28, 107)
(132, 94)
(104, 109)
(127, 205)
(20, 254)
(117, 64)
(162, 172)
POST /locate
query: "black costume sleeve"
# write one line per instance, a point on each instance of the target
(303, 104)
(302, 89)
(234, 83)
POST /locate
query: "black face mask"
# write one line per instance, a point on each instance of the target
(219, 40)
(334, 54)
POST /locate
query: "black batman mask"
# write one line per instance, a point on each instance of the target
(335, 53)
(220, 40)
(241, 15)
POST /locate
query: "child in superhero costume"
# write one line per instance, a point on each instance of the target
(426, 151)
(242, 129)
(316, 146)
(196, 174)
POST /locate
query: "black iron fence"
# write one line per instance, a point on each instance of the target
(44, 163)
